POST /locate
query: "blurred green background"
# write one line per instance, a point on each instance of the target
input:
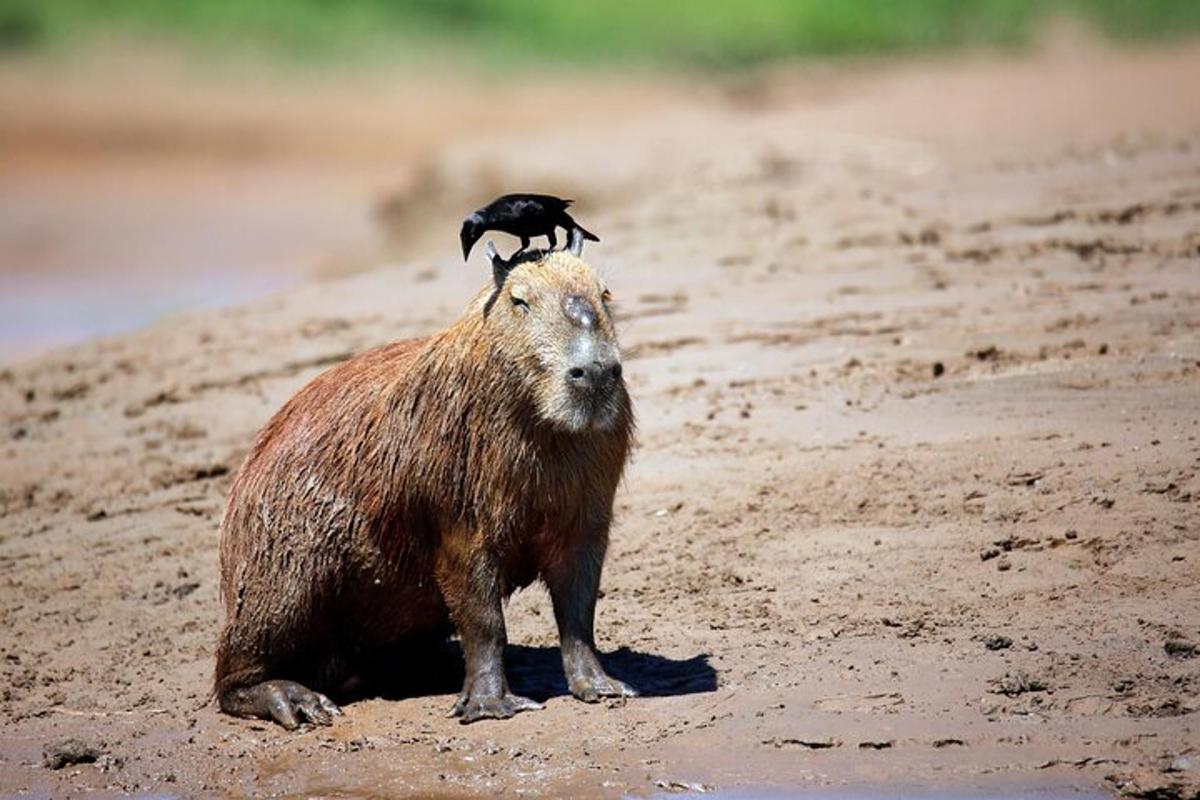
(683, 33)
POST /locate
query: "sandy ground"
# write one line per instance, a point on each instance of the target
(915, 352)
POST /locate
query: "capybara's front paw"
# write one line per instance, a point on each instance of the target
(591, 688)
(471, 708)
(286, 702)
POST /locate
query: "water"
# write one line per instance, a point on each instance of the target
(884, 793)
(38, 313)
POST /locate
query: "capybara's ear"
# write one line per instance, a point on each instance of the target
(499, 265)
(492, 254)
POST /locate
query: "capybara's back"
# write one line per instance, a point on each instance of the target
(409, 490)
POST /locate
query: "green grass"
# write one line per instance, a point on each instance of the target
(714, 33)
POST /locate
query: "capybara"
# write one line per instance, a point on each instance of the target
(407, 492)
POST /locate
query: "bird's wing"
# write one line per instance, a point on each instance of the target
(518, 208)
(548, 202)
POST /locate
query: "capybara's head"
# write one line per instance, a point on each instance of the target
(551, 317)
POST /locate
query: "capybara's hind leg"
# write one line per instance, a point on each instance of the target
(286, 702)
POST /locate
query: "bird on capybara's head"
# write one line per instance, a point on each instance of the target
(525, 216)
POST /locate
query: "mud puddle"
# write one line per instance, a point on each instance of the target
(38, 313)
(888, 793)
(93, 796)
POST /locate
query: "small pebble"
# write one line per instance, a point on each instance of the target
(1182, 764)
(70, 751)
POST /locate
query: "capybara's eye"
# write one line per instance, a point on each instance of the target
(520, 303)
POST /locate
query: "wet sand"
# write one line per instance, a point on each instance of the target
(916, 361)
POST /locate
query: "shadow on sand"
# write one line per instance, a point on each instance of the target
(537, 672)
(534, 672)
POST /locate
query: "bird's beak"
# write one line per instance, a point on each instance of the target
(468, 238)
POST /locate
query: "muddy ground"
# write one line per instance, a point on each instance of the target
(915, 351)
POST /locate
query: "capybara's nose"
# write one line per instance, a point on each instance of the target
(594, 375)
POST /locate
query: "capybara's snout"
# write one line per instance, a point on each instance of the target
(598, 376)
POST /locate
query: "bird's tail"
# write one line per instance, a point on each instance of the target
(587, 234)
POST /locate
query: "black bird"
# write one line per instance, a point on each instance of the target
(523, 215)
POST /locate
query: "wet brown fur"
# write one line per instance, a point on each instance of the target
(356, 518)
